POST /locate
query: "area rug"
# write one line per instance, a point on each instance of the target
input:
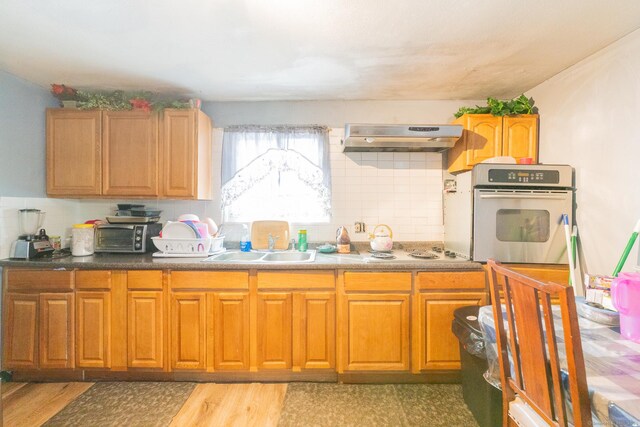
(311, 404)
(125, 404)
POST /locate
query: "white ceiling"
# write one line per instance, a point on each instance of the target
(222, 50)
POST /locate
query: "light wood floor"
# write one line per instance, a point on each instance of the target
(232, 405)
(32, 404)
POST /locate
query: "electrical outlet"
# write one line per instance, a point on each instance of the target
(360, 227)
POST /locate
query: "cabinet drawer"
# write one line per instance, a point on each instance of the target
(297, 280)
(144, 279)
(93, 279)
(209, 280)
(39, 280)
(451, 280)
(375, 281)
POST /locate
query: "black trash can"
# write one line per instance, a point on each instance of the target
(483, 399)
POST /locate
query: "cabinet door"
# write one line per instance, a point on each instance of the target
(179, 154)
(21, 331)
(130, 153)
(186, 154)
(438, 346)
(231, 336)
(188, 330)
(56, 330)
(73, 152)
(318, 330)
(377, 332)
(274, 330)
(145, 331)
(520, 136)
(93, 329)
(484, 139)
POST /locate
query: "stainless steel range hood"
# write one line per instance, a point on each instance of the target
(368, 137)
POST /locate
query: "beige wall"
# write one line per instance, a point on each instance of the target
(589, 117)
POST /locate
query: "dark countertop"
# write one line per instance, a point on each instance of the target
(322, 262)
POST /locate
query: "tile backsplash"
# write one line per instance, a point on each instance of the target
(401, 190)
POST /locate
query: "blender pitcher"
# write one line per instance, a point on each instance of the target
(30, 221)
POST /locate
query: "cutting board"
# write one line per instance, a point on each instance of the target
(260, 231)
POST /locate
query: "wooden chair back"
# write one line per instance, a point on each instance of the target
(535, 377)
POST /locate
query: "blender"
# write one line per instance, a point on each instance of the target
(29, 244)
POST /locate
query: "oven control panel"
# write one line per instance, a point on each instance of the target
(519, 176)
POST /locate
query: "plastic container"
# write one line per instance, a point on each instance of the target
(217, 244)
(82, 237)
(625, 295)
(302, 240)
(483, 399)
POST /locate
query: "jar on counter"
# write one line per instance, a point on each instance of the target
(56, 242)
(82, 236)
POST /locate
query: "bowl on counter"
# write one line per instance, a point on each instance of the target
(326, 248)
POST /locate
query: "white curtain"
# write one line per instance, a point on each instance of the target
(252, 155)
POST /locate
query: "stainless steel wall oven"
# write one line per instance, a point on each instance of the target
(511, 213)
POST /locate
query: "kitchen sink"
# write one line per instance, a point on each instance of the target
(264, 257)
(237, 256)
(308, 256)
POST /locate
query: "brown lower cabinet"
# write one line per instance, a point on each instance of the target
(296, 330)
(209, 321)
(231, 326)
(56, 330)
(439, 348)
(317, 328)
(377, 332)
(145, 329)
(436, 296)
(21, 330)
(274, 330)
(93, 329)
(245, 321)
(374, 321)
(188, 330)
(296, 320)
(38, 320)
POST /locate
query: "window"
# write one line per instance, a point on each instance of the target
(279, 172)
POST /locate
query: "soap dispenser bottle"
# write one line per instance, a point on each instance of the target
(343, 242)
(245, 240)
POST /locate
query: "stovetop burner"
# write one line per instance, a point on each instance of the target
(418, 253)
(382, 255)
(434, 254)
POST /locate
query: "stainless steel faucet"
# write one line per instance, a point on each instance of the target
(272, 241)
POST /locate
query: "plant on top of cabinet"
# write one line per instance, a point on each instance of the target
(118, 99)
(507, 107)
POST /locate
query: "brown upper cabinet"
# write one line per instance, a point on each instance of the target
(487, 136)
(130, 153)
(97, 153)
(186, 155)
(74, 166)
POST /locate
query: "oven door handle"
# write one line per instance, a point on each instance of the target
(524, 196)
